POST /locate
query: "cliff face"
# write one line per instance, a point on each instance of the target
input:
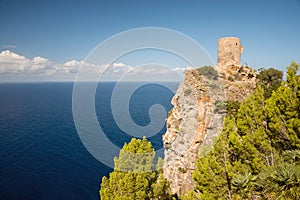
(196, 119)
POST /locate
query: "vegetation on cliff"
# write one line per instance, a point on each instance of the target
(257, 154)
(270, 79)
(135, 176)
(208, 72)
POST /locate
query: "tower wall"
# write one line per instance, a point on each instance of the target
(229, 52)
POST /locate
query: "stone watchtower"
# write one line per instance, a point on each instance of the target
(229, 52)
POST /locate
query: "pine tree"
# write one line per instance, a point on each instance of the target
(283, 110)
(191, 195)
(247, 161)
(214, 171)
(270, 79)
(160, 188)
(255, 148)
(134, 176)
(137, 156)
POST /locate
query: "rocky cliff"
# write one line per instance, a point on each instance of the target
(197, 117)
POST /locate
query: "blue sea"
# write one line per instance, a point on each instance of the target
(41, 154)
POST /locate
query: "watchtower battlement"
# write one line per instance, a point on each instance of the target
(229, 52)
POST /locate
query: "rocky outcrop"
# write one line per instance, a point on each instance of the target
(239, 82)
(198, 112)
(194, 120)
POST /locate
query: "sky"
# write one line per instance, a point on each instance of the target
(41, 40)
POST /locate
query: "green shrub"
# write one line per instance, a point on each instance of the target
(270, 79)
(220, 105)
(230, 106)
(181, 169)
(209, 72)
(230, 78)
(187, 92)
(170, 112)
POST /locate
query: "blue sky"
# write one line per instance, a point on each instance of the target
(64, 30)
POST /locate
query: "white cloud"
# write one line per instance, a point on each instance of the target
(12, 63)
(15, 66)
(119, 65)
(39, 59)
(8, 56)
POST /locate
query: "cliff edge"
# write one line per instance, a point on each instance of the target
(198, 112)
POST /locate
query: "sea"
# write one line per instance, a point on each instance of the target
(41, 154)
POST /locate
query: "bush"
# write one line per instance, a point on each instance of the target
(231, 107)
(136, 174)
(209, 72)
(187, 92)
(270, 79)
(170, 112)
(182, 170)
(220, 105)
(230, 78)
